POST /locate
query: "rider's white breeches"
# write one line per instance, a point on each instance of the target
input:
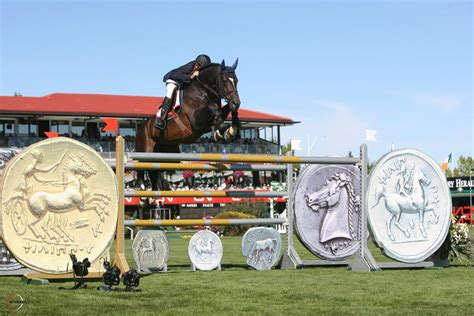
(170, 86)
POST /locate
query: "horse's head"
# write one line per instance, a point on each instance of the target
(221, 82)
(329, 194)
(421, 177)
(230, 80)
(79, 166)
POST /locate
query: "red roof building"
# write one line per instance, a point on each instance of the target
(103, 105)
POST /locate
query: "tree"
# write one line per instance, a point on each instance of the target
(465, 165)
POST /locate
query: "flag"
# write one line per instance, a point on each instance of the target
(296, 144)
(445, 164)
(111, 124)
(51, 134)
(370, 135)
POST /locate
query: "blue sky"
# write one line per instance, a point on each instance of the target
(402, 68)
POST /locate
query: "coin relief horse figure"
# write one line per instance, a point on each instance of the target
(260, 247)
(337, 196)
(415, 203)
(199, 113)
(147, 247)
(76, 195)
(204, 247)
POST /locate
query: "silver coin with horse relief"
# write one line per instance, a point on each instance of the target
(150, 250)
(262, 247)
(327, 210)
(205, 250)
(58, 197)
(409, 205)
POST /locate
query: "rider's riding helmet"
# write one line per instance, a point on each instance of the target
(203, 60)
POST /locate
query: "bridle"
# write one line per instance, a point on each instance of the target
(220, 93)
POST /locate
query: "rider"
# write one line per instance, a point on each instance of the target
(174, 78)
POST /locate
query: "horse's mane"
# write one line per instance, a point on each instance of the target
(354, 204)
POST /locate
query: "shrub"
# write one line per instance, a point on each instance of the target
(258, 209)
(234, 230)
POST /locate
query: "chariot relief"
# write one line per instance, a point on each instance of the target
(58, 197)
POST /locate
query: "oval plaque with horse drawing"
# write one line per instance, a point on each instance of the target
(205, 250)
(327, 210)
(409, 205)
(262, 247)
(58, 197)
(150, 250)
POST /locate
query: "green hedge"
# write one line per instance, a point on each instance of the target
(234, 230)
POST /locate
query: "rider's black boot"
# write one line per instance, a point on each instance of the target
(165, 108)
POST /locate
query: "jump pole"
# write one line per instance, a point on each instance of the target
(205, 222)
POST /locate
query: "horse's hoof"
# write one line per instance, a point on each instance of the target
(391, 237)
(217, 136)
(407, 234)
(228, 136)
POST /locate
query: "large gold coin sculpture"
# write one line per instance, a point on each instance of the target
(59, 197)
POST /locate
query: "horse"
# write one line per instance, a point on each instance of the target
(205, 246)
(76, 195)
(200, 111)
(340, 205)
(398, 203)
(260, 246)
(147, 245)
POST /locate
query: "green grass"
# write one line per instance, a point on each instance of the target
(238, 289)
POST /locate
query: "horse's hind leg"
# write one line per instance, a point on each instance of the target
(388, 222)
(47, 226)
(397, 223)
(33, 229)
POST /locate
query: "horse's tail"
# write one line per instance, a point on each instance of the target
(379, 193)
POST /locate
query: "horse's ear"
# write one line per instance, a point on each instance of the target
(236, 63)
(223, 64)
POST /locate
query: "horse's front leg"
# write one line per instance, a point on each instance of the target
(218, 135)
(231, 132)
(422, 226)
(95, 209)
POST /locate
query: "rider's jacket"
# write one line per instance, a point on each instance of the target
(180, 74)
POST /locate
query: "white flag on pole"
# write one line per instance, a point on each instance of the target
(296, 144)
(370, 135)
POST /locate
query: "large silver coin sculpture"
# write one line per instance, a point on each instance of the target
(150, 250)
(327, 210)
(58, 197)
(409, 205)
(262, 247)
(205, 250)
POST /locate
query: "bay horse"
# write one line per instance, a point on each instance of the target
(200, 111)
